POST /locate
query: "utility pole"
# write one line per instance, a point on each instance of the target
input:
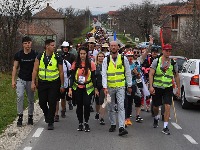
(194, 28)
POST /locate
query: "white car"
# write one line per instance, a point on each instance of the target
(189, 82)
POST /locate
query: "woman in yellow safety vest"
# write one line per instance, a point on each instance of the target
(82, 82)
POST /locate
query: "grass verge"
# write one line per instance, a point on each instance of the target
(8, 102)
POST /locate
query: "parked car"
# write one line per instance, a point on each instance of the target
(180, 60)
(143, 44)
(189, 82)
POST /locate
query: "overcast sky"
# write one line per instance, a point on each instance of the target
(99, 5)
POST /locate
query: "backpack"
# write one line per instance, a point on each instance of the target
(173, 62)
(108, 60)
(68, 71)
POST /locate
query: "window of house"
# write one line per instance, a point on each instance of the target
(175, 22)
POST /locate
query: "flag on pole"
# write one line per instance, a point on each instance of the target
(115, 36)
(161, 37)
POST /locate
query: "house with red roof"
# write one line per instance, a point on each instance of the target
(47, 23)
(182, 17)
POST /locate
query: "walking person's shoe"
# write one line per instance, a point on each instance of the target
(91, 109)
(19, 121)
(139, 119)
(56, 118)
(70, 106)
(63, 113)
(97, 116)
(147, 108)
(30, 119)
(87, 127)
(80, 127)
(166, 131)
(128, 122)
(155, 123)
(122, 131)
(112, 128)
(50, 126)
(102, 122)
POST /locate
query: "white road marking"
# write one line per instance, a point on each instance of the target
(28, 148)
(176, 125)
(38, 132)
(190, 139)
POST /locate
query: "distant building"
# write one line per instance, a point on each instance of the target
(181, 17)
(47, 23)
(165, 21)
(112, 18)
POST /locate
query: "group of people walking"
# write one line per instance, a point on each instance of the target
(96, 73)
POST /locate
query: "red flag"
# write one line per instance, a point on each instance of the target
(161, 37)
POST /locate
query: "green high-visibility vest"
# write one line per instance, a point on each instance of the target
(115, 73)
(51, 72)
(163, 79)
(88, 84)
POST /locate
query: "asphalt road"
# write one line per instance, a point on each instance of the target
(142, 136)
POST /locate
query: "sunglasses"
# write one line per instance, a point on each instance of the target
(135, 52)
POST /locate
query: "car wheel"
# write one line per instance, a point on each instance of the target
(185, 104)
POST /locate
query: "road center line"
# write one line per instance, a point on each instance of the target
(38, 132)
(190, 139)
(28, 148)
(176, 125)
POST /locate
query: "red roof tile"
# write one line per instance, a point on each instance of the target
(188, 8)
(48, 13)
(113, 13)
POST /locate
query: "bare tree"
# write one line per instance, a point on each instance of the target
(76, 21)
(12, 13)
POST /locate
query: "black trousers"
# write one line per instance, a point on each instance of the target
(83, 101)
(48, 93)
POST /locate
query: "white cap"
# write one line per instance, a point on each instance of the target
(65, 44)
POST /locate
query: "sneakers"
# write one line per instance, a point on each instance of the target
(30, 119)
(139, 119)
(91, 109)
(166, 131)
(56, 118)
(63, 113)
(102, 121)
(97, 116)
(80, 127)
(86, 126)
(128, 122)
(155, 123)
(147, 108)
(70, 106)
(19, 121)
(50, 126)
(112, 128)
(122, 131)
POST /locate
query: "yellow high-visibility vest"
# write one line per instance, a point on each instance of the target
(51, 72)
